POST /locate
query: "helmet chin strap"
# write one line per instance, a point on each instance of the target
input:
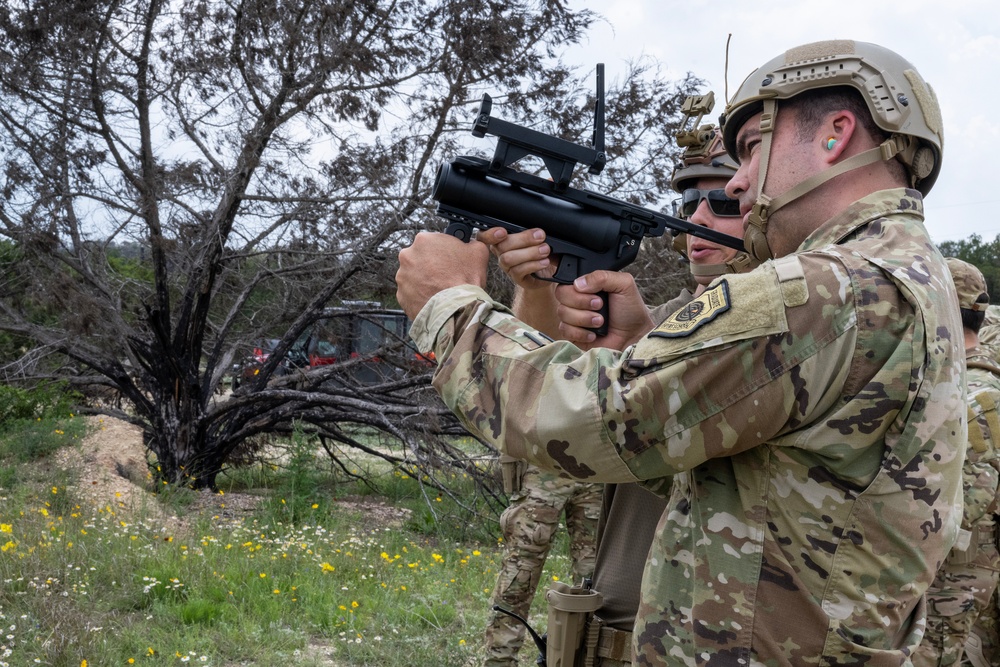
(708, 272)
(755, 235)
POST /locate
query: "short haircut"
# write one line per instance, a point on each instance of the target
(812, 106)
(973, 319)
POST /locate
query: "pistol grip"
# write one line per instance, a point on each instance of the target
(604, 311)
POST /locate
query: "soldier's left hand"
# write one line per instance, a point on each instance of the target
(435, 262)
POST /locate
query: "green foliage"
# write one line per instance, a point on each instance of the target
(163, 586)
(37, 439)
(304, 484)
(130, 268)
(176, 497)
(225, 586)
(438, 515)
(18, 404)
(204, 612)
(9, 254)
(983, 254)
(34, 423)
(8, 475)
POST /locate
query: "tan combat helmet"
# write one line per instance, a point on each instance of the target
(704, 156)
(970, 285)
(900, 101)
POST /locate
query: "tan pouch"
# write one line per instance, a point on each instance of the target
(570, 607)
(513, 471)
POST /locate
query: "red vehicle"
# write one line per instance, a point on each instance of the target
(250, 367)
(367, 332)
(323, 353)
(358, 332)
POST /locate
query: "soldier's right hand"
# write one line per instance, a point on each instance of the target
(579, 303)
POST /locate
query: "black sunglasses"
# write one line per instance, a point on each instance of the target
(721, 205)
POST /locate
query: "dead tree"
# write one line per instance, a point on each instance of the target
(181, 180)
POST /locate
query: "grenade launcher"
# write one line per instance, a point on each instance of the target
(588, 231)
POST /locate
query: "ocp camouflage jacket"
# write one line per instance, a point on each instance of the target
(811, 413)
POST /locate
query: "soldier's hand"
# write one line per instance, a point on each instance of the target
(578, 303)
(526, 259)
(435, 262)
(521, 256)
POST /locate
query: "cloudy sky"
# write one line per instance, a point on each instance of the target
(955, 46)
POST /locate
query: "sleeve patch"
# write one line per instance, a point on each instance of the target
(984, 420)
(698, 312)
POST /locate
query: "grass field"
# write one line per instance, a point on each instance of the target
(312, 569)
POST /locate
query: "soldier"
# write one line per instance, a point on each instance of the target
(964, 584)
(989, 335)
(538, 499)
(810, 411)
(985, 636)
(629, 512)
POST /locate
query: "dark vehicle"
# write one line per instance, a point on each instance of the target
(370, 341)
(250, 367)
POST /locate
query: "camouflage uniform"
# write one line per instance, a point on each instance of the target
(630, 515)
(986, 632)
(965, 583)
(984, 420)
(989, 334)
(985, 637)
(808, 410)
(529, 527)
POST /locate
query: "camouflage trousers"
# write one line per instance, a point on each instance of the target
(959, 594)
(529, 526)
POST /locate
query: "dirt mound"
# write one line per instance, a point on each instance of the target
(111, 471)
(107, 461)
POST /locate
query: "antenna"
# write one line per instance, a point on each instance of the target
(598, 139)
(726, 71)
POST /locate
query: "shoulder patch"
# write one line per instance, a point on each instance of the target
(700, 311)
(984, 419)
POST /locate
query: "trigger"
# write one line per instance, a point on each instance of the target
(568, 270)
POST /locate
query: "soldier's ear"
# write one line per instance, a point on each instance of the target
(836, 134)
